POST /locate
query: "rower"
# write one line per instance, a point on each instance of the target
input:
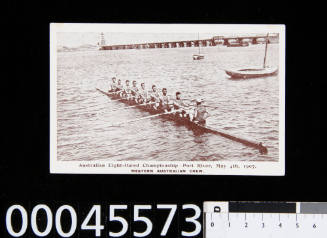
(143, 94)
(134, 91)
(179, 104)
(126, 93)
(164, 101)
(113, 85)
(119, 87)
(155, 97)
(200, 114)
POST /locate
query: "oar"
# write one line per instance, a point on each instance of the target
(204, 105)
(101, 91)
(105, 93)
(114, 92)
(114, 100)
(118, 109)
(211, 106)
(142, 118)
(187, 99)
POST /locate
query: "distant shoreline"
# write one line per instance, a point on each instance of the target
(78, 48)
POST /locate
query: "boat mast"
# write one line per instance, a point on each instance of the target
(264, 60)
(102, 41)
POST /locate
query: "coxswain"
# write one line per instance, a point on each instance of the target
(200, 113)
(164, 101)
(155, 97)
(113, 85)
(126, 93)
(179, 104)
(134, 91)
(143, 94)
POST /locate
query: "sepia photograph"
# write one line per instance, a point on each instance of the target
(187, 99)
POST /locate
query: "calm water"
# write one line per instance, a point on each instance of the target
(247, 108)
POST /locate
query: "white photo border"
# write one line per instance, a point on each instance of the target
(166, 167)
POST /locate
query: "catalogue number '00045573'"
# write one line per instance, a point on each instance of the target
(114, 220)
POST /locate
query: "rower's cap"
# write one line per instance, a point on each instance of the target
(198, 100)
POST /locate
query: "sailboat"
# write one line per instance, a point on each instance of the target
(253, 72)
(198, 56)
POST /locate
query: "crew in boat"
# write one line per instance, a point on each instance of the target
(134, 91)
(126, 93)
(179, 104)
(142, 94)
(164, 101)
(155, 97)
(200, 113)
(113, 85)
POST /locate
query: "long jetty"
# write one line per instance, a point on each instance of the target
(214, 41)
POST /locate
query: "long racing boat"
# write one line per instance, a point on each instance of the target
(196, 127)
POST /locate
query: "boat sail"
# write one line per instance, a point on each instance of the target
(198, 56)
(253, 72)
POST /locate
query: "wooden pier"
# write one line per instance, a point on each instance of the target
(214, 41)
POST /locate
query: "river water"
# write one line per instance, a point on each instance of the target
(248, 108)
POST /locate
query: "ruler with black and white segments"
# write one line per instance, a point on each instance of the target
(265, 219)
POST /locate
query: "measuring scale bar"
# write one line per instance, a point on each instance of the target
(265, 219)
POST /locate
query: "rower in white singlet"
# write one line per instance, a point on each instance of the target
(165, 100)
(126, 93)
(113, 85)
(119, 87)
(179, 104)
(154, 97)
(142, 95)
(134, 91)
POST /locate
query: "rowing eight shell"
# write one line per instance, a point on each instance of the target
(262, 149)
